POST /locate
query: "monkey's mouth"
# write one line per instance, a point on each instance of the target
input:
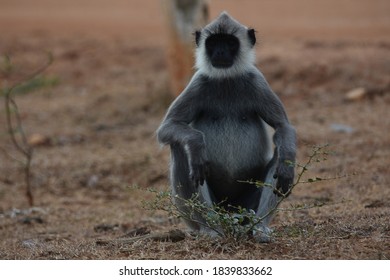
(221, 64)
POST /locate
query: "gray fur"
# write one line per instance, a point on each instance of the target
(217, 133)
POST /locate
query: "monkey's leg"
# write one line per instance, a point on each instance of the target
(184, 190)
(194, 219)
(267, 204)
(206, 197)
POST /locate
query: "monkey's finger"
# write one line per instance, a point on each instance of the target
(284, 185)
(197, 178)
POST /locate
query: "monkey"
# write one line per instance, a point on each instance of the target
(217, 130)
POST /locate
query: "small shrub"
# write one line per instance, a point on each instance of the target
(236, 222)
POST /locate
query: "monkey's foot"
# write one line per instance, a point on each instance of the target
(203, 231)
(262, 234)
(209, 232)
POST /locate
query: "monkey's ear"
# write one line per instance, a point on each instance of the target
(197, 37)
(252, 36)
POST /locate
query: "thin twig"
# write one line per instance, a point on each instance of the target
(22, 145)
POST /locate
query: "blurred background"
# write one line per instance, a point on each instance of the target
(143, 20)
(90, 120)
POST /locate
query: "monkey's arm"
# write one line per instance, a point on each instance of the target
(273, 113)
(176, 130)
(285, 142)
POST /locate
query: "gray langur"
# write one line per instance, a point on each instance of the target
(216, 129)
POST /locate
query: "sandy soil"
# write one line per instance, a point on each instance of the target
(98, 105)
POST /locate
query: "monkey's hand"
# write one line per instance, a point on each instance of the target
(199, 168)
(285, 175)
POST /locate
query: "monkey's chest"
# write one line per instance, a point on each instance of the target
(229, 125)
(238, 149)
(236, 142)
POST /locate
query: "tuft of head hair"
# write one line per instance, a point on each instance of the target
(225, 24)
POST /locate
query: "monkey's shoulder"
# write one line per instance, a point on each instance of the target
(239, 86)
(235, 96)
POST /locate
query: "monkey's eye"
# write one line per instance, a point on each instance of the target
(232, 44)
(210, 44)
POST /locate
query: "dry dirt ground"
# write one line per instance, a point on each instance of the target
(96, 109)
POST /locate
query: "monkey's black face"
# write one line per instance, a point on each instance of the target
(222, 49)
